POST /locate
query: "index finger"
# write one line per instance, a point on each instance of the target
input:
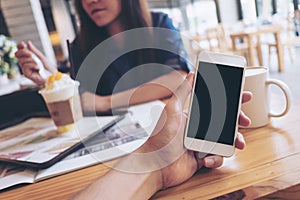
(247, 96)
(21, 45)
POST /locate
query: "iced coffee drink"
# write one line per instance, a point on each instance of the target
(63, 101)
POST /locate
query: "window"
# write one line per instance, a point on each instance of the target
(283, 7)
(196, 16)
(202, 15)
(249, 11)
(174, 13)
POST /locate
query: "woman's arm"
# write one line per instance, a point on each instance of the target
(159, 88)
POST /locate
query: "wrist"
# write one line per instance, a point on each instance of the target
(155, 181)
(147, 185)
(144, 160)
(147, 180)
(108, 102)
(102, 103)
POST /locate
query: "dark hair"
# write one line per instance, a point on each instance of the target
(134, 14)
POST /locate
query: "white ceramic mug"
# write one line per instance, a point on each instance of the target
(258, 109)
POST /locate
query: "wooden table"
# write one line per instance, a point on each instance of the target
(268, 167)
(250, 33)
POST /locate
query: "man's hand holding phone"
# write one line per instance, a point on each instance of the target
(165, 144)
(168, 135)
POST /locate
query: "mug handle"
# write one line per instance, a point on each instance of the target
(287, 93)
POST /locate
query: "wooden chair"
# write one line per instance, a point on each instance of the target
(288, 37)
(220, 41)
(214, 38)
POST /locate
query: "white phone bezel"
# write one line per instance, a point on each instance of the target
(205, 146)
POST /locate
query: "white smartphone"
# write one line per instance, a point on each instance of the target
(215, 104)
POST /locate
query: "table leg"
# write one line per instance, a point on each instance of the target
(259, 51)
(233, 43)
(251, 50)
(279, 52)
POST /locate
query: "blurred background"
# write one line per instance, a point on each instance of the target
(48, 23)
(216, 25)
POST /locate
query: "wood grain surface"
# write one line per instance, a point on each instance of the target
(269, 167)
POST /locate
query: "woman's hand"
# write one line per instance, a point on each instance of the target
(29, 66)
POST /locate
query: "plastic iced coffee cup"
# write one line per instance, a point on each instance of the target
(63, 101)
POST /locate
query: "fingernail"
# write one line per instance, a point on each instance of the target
(244, 144)
(241, 137)
(209, 162)
(190, 77)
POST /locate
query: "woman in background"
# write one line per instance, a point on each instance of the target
(100, 20)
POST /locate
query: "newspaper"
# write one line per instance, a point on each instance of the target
(119, 140)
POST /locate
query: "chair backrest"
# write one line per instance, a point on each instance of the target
(218, 38)
(213, 38)
(288, 29)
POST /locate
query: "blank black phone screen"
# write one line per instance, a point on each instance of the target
(215, 103)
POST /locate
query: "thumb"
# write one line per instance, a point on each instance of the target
(32, 48)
